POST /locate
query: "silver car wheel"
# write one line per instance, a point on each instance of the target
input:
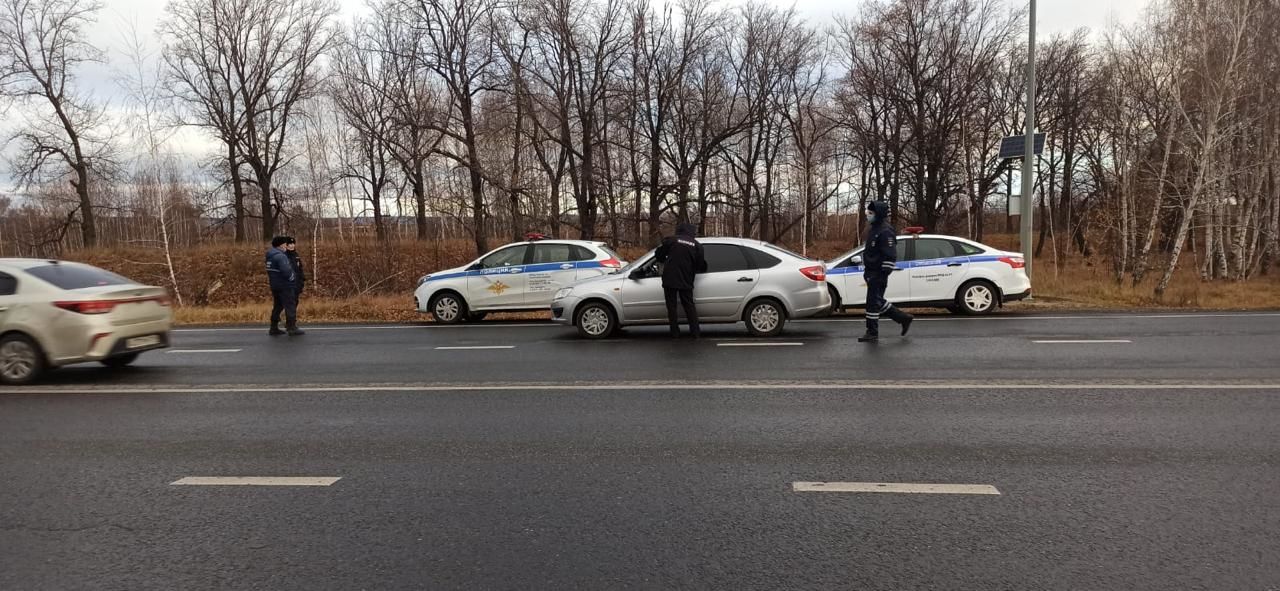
(978, 297)
(595, 321)
(765, 317)
(18, 360)
(447, 309)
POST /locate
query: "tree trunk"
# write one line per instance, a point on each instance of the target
(88, 219)
(420, 198)
(237, 191)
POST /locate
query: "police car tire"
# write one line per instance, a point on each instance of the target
(609, 317)
(962, 300)
(462, 308)
(757, 307)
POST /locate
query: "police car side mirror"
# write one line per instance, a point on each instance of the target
(476, 267)
(636, 275)
(856, 260)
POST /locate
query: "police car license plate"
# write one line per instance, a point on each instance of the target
(140, 342)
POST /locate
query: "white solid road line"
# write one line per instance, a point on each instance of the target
(760, 344)
(580, 387)
(1075, 317)
(475, 348)
(378, 327)
(1083, 342)
(256, 481)
(548, 324)
(203, 351)
(895, 487)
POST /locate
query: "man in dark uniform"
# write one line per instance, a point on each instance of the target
(300, 276)
(879, 260)
(682, 259)
(284, 288)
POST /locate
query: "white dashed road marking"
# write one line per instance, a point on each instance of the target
(895, 487)
(759, 344)
(256, 481)
(1084, 342)
(204, 350)
(475, 348)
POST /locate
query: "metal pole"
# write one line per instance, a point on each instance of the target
(1028, 171)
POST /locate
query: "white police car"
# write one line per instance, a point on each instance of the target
(936, 271)
(515, 277)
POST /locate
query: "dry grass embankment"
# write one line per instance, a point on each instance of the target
(366, 282)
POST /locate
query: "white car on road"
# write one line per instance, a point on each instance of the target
(516, 277)
(55, 313)
(936, 271)
(746, 281)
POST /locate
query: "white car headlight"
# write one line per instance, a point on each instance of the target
(423, 279)
(563, 293)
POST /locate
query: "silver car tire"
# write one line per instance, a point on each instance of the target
(21, 361)
(448, 308)
(596, 320)
(765, 318)
(977, 298)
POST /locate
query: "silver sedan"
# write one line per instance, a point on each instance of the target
(746, 281)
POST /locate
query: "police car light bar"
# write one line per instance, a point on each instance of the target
(535, 236)
(914, 230)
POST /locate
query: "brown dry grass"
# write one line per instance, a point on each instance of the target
(367, 282)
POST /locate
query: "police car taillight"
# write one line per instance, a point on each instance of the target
(611, 263)
(1012, 262)
(818, 273)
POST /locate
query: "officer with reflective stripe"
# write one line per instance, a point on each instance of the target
(879, 258)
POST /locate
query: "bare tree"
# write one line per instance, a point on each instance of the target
(42, 48)
(201, 41)
(459, 50)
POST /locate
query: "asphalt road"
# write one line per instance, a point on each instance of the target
(1145, 462)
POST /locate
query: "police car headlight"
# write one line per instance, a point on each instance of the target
(423, 279)
(563, 293)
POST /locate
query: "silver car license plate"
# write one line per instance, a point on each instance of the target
(140, 342)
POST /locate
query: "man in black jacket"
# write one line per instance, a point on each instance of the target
(284, 288)
(879, 260)
(300, 276)
(682, 259)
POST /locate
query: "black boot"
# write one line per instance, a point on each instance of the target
(868, 338)
(294, 331)
(275, 330)
(906, 323)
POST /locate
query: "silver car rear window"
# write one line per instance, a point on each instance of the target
(64, 276)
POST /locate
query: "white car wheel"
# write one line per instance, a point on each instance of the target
(977, 298)
(765, 318)
(448, 308)
(20, 361)
(596, 321)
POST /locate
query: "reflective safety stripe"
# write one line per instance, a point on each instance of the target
(520, 269)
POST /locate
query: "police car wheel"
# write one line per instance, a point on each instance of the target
(977, 298)
(448, 308)
(596, 320)
(765, 318)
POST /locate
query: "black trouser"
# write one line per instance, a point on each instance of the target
(877, 306)
(284, 300)
(685, 298)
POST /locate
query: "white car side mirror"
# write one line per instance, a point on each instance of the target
(856, 260)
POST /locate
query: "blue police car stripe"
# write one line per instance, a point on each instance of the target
(520, 270)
